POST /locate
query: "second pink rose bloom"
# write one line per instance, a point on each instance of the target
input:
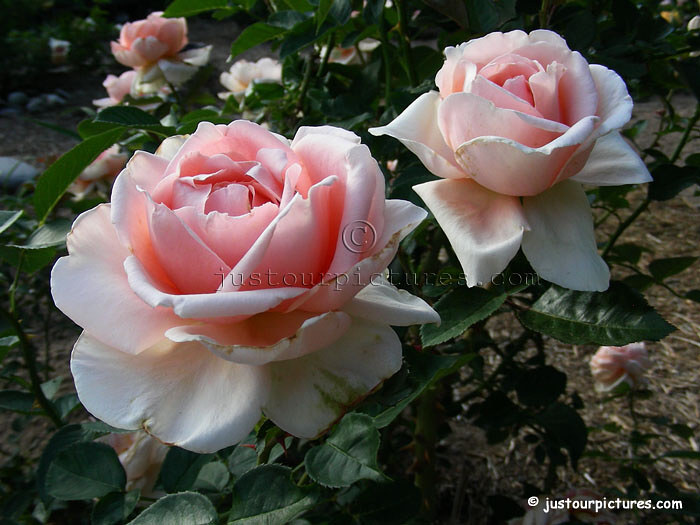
(518, 124)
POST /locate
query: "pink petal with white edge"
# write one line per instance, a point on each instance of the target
(238, 304)
(613, 162)
(560, 244)
(180, 393)
(484, 228)
(381, 301)
(507, 167)
(417, 129)
(90, 287)
(400, 218)
(266, 337)
(309, 393)
(465, 116)
(614, 102)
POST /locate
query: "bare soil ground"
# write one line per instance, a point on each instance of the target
(669, 229)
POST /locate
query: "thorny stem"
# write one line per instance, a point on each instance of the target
(326, 56)
(544, 13)
(29, 355)
(686, 135)
(387, 60)
(427, 420)
(405, 47)
(15, 282)
(625, 224)
(305, 82)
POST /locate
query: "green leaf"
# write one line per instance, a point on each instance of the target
(184, 508)
(663, 268)
(32, 260)
(114, 508)
(55, 180)
(540, 386)
(132, 117)
(180, 469)
(565, 428)
(66, 437)
(8, 218)
(458, 310)
(16, 401)
(348, 455)
(420, 370)
(670, 180)
(324, 7)
(253, 35)
(85, 471)
(267, 496)
(212, 477)
(340, 12)
(615, 317)
(242, 459)
(192, 7)
(386, 504)
(287, 19)
(49, 235)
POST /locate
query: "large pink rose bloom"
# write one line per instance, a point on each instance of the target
(613, 365)
(146, 41)
(153, 47)
(519, 122)
(236, 274)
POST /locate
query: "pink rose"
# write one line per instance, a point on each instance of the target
(117, 88)
(613, 365)
(141, 456)
(236, 273)
(519, 122)
(154, 48)
(144, 42)
(104, 168)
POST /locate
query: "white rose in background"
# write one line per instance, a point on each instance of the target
(123, 85)
(235, 274)
(519, 123)
(243, 74)
(613, 365)
(154, 48)
(59, 51)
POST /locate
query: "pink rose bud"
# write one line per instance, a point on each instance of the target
(518, 123)
(236, 274)
(613, 365)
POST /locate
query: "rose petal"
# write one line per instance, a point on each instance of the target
(266, 337)
(90, 287)
(309, 393)
(381, 301)
(400, 218)
(509, 168)
(236, 305)
(613, 162)
(560, 244)
(150, 48)
(180, 393)
(465, 116)
(484, 228)
(425, 140)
